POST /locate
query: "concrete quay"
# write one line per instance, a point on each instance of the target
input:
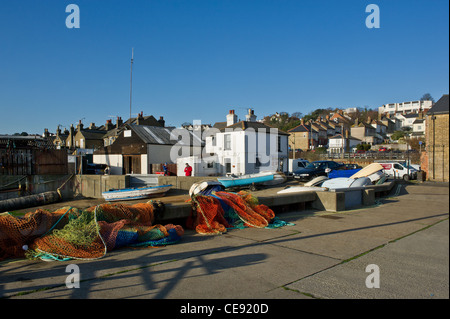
(324, 255)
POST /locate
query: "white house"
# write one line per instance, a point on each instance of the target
(419, 127)
(405, 107)
(407, 120)
(341, 143)
(246, 147)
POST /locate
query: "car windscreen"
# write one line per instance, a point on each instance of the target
(315, 165)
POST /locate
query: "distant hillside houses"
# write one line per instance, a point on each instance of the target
(405, 107)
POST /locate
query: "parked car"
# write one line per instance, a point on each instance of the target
(314, 169)
(383, 149)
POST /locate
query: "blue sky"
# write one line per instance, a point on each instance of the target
(197, 59)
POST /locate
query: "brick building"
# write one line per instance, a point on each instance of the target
(437, 141)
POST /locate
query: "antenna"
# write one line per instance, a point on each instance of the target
(131, 76)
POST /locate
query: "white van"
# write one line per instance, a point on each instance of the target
(296, 164)
(399, 170)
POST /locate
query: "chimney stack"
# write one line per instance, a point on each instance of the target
(231, 118)
(119, 122)
(161, 121)
(139, 119)
(71, 134)
(108, 125)
(79, 126)
(250, 117)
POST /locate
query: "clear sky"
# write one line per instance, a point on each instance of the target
(197, 59)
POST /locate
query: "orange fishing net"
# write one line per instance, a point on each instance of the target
(84, 234)
(17, 232)
(214, 214)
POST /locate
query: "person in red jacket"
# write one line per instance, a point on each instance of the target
(188, 170)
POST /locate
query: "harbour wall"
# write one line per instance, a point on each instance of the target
(92, 186)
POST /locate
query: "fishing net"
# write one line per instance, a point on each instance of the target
(213, 214)
(84, 234)
(18, 232)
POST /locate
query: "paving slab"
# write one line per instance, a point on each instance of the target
(414, 267)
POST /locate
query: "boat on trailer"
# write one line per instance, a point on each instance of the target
(133, 193)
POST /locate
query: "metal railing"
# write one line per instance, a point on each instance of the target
(371, 155)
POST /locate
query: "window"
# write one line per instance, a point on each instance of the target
(332, 165)
(279, 143)
(213, 140)
(227, 142)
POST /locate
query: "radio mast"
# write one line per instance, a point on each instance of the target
(131, 78)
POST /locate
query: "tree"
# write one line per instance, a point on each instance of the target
(397, 135)
(313, 115)
(363, 147)
(415, 145)
(427, 97)
(283, 121)
(297, 115)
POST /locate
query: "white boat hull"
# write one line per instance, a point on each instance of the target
(135, 193)
(301, 189)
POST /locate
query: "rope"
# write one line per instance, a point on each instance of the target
(58, 189)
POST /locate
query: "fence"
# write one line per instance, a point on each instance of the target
(33, 162)
(18, 162)
(413, 156)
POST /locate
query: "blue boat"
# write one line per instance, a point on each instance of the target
(245, 180)
(342, 173)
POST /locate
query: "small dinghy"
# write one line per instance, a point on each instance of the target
(343, 182)
(205, 188)
(248, 179)
(135, 193)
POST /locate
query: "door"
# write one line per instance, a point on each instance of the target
(227, 167)
(132, 164)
